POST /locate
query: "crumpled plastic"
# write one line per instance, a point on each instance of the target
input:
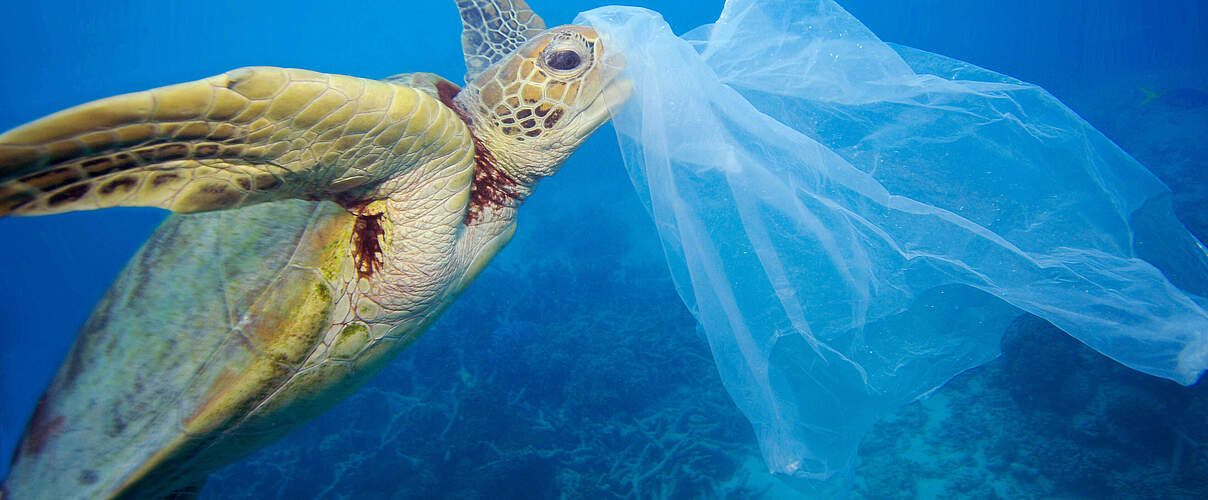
(854, 223)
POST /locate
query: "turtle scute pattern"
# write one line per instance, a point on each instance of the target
(524, 99)
(492, 29)
(247, 136)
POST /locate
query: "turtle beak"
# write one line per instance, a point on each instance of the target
(600, 110)
(615, 92)
(616, 88)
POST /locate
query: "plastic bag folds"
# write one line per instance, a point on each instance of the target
(854, 223)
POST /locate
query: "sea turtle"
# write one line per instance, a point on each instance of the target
(329, 221)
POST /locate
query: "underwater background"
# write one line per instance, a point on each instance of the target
(571, 368)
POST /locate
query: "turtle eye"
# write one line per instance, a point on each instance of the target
(563, 60)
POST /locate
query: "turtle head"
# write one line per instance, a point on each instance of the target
(534, 107)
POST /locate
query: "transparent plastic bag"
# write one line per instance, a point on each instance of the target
(855, 223)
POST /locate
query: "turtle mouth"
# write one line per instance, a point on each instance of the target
(617, 88)
(616, 91)
(601, 108)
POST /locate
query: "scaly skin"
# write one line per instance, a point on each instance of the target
(247, 136)
(230, 328)
(483, 23)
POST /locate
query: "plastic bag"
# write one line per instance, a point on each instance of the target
(855, 223)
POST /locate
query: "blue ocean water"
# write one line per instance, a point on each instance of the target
(570, 368)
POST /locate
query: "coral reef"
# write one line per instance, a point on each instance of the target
(1050, 419)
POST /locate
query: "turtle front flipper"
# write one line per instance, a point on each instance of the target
(247, 136)
(493, 29)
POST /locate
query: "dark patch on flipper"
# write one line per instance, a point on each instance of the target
(97, 167)
(206, 150)
(115, 425)
(367, 244)
(212, 194)
(13, 202)
(65, 184)
(51, 179)
(68, 195)
(159, 179)
(125, 184)
(87, 477)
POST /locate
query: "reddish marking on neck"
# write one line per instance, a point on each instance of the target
(447, 92)
(492, 188)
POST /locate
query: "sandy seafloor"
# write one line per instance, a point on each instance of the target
(571, 369)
